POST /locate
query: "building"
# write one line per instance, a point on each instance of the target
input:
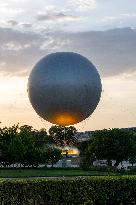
(83, 136)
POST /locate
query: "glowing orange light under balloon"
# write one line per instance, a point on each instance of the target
(65, 119)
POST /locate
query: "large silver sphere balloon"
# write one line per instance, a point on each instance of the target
(64, 88)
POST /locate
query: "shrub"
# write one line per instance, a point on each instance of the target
(69, 191)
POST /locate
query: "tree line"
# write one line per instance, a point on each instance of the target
(112, 145)
(27, 147)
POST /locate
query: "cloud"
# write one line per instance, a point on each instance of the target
(10, 8)
(56, 17)
(21, 50)
(16, 23)
(26, 25)
(52, 13)
(12, 22)
(129, 15)
(123, 19)
(18, 50)
(11, 46)
(84, 5)
(112, 51)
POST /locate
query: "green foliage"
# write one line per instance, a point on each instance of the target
(27, 147)
(69, 191)
(6, 137)
(41, 138)
(86, 158)
(114, 144)
(54, 154)
(50, 155)
(63, 136)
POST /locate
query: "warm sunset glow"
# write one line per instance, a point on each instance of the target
(65, 119)
(70, 152)
(64, 26)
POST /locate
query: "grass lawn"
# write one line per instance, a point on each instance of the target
(41, 172)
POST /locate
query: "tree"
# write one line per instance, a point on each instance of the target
(63, 136)
(55, 155)
(41, 138)
(16, 150)
(31, 155)
(26, 146)
(6, 136)
(17, 147)
(132, 158)
(50, 154)
(85, 157)
(114, 144)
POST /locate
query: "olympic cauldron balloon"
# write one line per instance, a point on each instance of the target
(64, 88)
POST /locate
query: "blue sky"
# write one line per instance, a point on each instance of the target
(104, 31)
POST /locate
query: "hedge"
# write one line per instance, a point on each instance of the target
(68, 191)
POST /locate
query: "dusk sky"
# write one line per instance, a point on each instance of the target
(104, 31)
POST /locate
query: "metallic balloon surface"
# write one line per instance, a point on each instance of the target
(64, 88)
